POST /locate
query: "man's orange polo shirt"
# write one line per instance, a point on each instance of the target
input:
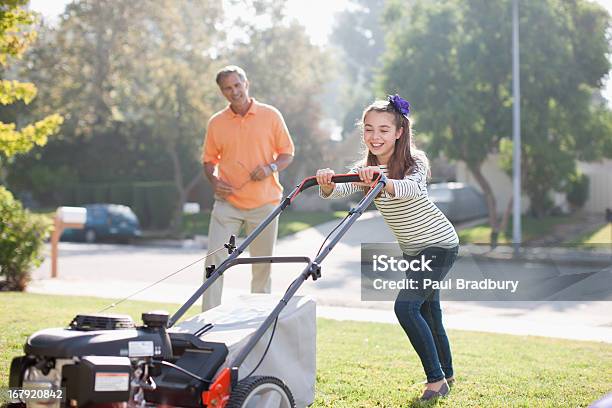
(238, 144)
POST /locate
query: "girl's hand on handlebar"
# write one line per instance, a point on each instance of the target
(367, 175)
(324, 179)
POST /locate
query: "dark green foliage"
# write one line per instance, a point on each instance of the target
(155, 203)
(578, 190)
(120, 193)
(445, 58)
(453, 61)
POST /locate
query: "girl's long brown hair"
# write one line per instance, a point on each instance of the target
(402, 161)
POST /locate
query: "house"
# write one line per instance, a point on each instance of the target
(600, 184)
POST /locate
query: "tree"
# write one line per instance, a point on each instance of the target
(358, 35)
(452, 60)
(288, 72)
(22, 234)
(15, 37)
(137, 85)
(80, 65)
(176, 90)
(562, 70)
(134, 85)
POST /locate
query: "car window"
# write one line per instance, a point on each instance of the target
(440, 194)
(474, 196)
(126, 213)
(95, 213)
(462, 194)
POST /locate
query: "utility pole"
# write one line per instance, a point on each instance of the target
(516, 131)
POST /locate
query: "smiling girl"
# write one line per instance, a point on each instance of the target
(418, 225)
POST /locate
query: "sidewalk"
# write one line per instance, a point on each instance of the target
(111, 271)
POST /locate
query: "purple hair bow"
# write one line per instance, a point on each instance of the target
(400, 104)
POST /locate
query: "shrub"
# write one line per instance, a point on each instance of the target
(22, 236)
(578, 190)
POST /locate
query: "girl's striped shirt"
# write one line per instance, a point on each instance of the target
(414, 220)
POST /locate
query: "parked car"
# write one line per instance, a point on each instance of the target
(106, 222)
(458, 201)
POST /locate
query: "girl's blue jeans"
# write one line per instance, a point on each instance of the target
(420, 315)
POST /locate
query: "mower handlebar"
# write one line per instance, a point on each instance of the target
(338, 178)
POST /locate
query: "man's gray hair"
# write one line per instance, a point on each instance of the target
(228, 70)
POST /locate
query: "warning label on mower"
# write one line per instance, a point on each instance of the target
(112, 382)
(140, 349)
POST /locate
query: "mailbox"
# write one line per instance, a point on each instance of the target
(72, 215)
(65, 217)
(191, 208)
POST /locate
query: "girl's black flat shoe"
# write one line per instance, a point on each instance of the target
(431, 394)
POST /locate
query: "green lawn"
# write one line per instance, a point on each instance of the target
(289, 222)
(532, 228)
(596, 238)
(373, 365)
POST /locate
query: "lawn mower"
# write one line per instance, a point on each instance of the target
(105, 360)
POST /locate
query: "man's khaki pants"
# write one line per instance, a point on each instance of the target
(226, 220)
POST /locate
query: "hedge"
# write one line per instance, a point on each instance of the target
(153, 202)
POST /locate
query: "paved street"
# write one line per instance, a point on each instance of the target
(115, 271)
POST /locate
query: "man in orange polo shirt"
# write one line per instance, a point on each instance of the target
(246, 145)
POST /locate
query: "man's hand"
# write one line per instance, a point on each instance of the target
(222, 189)
(261, 172)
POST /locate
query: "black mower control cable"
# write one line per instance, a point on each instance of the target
(159, 281)
(276, 320)
(182, 370)
(265, 351)
(332, 232)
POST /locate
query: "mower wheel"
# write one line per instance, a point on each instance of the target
(261, 392)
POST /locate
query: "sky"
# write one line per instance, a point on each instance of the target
(317, 16)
